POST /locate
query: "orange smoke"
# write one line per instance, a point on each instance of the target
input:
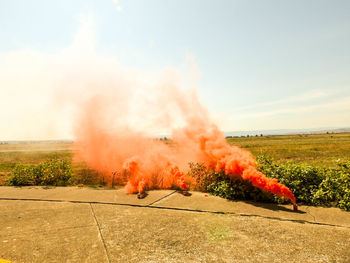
(105, 141)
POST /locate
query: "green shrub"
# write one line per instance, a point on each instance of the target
(52, 172)
(310, 185)
(344, 185)
(335, 188)
(22, 175)
(303, 180)
(217, 183)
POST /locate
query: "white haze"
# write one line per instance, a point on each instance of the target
(41, 91)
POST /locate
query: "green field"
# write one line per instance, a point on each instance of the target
(29, 153)
(317, 150)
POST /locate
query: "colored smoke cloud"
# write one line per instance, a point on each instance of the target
(115, 113)
(109, 138)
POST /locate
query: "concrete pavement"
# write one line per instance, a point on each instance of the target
(70, 224)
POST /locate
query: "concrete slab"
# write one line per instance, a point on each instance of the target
(157, 235)
(28, 192)
(330, 215)
(169, 199)
(55, 231)
(202, 201)
(84, 194)
(49, 232)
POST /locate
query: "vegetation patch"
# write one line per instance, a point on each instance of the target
(310, 185)
(82, 175)
(54, 171)
(304, 163)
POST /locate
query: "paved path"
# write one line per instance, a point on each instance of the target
(70, 224)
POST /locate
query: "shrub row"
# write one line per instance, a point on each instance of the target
(310, 185)
(51, 172)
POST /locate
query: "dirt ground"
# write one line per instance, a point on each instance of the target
(72, 224)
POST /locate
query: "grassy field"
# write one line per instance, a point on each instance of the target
(29, 153)
(315, 149)
(319, 150)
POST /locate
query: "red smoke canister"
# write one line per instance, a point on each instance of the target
(185, 193)
(295, 207)
(141, 195)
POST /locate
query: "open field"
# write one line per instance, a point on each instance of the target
(319, 150)
(30, 153)
(315, 149)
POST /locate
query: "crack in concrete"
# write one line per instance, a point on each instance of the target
(179, 209)
(309, 213)
(162, 198)
(100, 234)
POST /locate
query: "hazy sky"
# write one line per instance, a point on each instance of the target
(263, 64)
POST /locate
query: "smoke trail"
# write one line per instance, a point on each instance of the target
(107, 140)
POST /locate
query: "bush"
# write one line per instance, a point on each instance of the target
(310, 185)
(52, 172)
(22, 175)
(87, 176)
(303, 180)
(335, 188)
(219, 184)
(344, 185)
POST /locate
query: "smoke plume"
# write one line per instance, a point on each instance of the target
(116, 113)
(111, 137)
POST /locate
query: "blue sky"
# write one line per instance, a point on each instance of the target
(263, 64)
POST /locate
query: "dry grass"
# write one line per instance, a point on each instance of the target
(30, 153)
(318, 149)
(315, 149)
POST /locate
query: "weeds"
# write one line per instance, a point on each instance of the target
(310, 185)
